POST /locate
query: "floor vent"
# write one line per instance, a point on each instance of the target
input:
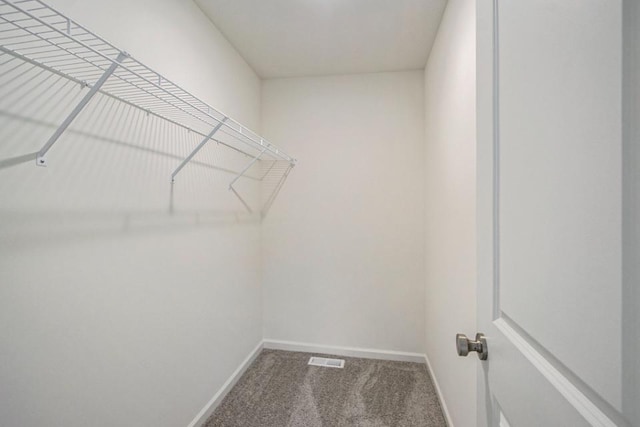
(327, 363)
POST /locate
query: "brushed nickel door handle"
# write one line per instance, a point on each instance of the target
(464, 345)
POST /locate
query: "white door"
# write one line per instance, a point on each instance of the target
(558, 210)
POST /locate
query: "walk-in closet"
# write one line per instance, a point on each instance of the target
(319, 213)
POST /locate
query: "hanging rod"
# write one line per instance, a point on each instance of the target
(35, 32)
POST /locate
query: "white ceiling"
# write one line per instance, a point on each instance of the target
(284, 38)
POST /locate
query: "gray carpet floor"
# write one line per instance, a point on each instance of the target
(280, 390)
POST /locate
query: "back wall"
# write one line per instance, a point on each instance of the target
(343, 248)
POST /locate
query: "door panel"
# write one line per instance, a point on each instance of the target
(560, 180)
(631, 212)
(550, 215)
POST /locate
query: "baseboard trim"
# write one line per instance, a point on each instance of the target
(443, 404)
(226, 387)
(365, 353)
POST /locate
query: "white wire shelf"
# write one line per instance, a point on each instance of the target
(34, 32)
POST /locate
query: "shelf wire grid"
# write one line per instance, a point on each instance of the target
(38, 34)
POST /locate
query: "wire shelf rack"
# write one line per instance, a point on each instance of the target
(34, 32)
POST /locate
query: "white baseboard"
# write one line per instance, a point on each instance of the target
(443, 404)
(365, 353)
(226, 387)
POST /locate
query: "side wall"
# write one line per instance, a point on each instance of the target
(344, 244)
(125, 301)
(450, 208)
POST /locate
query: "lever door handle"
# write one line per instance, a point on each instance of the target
(465, 345)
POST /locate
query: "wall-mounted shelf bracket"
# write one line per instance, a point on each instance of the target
(40, 157)
(276, 190)
(198, 148)
(251, 163)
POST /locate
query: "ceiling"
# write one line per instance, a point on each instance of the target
(285, 38)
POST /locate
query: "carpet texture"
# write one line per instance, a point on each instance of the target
(280, 390)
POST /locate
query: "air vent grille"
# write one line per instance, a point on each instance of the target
(327, 363)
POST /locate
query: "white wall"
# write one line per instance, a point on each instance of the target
(450, 213)
(344, 244)
(122, 302)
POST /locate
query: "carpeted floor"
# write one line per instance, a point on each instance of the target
(280, 390)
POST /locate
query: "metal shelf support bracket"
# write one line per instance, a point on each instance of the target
(251, 163)
(198, 148)
(40, 157)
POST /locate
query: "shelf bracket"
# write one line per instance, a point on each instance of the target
(198, 148)
(276, 191)
(251, 163)
(40, 157)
